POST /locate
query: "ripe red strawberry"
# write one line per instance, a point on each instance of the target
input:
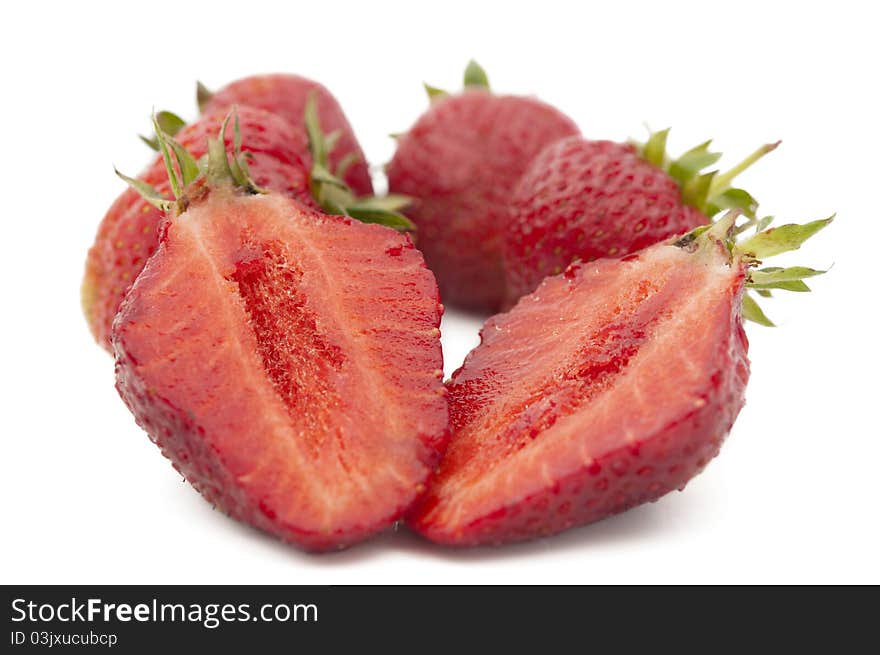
(128, 234)
(287, 95)
(582, 199)
(609, 386)
(287, 362)
(460, 162)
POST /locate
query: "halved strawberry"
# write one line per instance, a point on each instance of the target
(460, 163)
(287, 362)
(583, 199)
(287, 95)
(609, 386)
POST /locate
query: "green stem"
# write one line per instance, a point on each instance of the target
(722, 181)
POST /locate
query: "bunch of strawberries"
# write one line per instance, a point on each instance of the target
(275, 325)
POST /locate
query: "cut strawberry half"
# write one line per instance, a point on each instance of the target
(609, 386)
(287, 362)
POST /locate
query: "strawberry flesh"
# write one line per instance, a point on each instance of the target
(289, 365)
(609, 386)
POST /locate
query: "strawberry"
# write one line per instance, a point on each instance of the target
(460, 162)
(287, 362)
(582, 199)
(286, 96)
(611, 385)
(128, 234)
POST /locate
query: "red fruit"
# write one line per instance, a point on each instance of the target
(582, 199)
(609, 386)
(288, 363)
(128, 234)
(286, 95)
(460, 162)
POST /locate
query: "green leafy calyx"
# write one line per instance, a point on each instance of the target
(709, 191)
(217, 168)
(763, 242)
(332, 194)
(474, 77)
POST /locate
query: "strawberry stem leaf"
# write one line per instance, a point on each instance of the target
(752, 311)
(692, 162)
(474, 75)
(331, 192)
(183, 169)
(654, 151)
(735, 199)
(170, 123)
(347, 161)
(147, 192)
(218, 171)
(433, 92)
(173, 176)
(317, 143)
(238, 164)
(695, 192)
(766, 277)
(330, 140)
(366, 213)
(784, 238)
(723, 181)
(710, 192)
(203, 96)
(189, 167)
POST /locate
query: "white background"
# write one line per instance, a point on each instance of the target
(793, 496)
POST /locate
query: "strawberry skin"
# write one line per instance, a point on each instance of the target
(288, 363)
(609, 386)
(129, 233)
(583, 199)
(286, 96)
(461, 161)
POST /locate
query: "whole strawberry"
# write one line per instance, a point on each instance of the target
(460, 163)
(582, 199)
(287, 362)
(287, 96)
(611, 385)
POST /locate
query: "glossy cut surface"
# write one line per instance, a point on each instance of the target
(288, 363)
(609, 386)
